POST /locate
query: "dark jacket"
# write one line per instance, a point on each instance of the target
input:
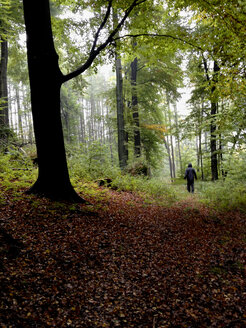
(190, 174)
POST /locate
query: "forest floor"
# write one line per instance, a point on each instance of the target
(120, 262)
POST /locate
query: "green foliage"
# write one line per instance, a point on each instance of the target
(16, 170)
(138, 167)
(151, 190)
(91, 163)
(227, 195)
(236, 166)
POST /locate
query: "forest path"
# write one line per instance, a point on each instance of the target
(120, 263)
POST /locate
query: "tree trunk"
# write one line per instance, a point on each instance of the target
(120, 114)
(178, 139)
(171, 143)
(25, 96)
(200, 154)
(122, 145)
(166, 143)
(173, 157)
(4, 114)
(45, 82)
(82, 126)
(137, 138)
(20, 127)
(213, 112)
(213, 147)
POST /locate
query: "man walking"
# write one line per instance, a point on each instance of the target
(190, 174)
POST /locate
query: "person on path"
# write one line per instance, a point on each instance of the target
(190, 175)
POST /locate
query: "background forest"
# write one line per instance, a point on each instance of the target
(102, 106)
(125, 118)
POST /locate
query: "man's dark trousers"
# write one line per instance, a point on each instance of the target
(190, 186)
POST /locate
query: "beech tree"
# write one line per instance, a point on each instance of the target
(46, 79)
(4, 116)
(8, 20)
(122, 149)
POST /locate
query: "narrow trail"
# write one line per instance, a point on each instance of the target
(120, 263)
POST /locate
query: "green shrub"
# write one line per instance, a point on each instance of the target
(229, 194)
(152, 190)
(91, 163)
(139, 167)
(16, 170)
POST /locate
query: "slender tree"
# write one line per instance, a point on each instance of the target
(4, 113)
(134, 106)
(213, 112)
(122, 151)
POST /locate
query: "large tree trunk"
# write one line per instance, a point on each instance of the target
(137, 138)
(4, 114)
(45, 82)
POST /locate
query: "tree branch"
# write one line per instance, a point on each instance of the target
(160, 35)
(95, 52)
(102, 25)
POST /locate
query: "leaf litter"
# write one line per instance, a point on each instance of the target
(120, 263)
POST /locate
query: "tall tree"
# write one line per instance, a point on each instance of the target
(4, 114)
(213, 112)
(46, 79)
(122, 151)
(45, 82)
(9, 19)
(134, 107)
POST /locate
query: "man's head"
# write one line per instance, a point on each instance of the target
(189, 165)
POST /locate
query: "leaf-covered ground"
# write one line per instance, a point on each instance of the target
(120, 263)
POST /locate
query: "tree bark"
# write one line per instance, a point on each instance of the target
(213, 127)
(19, 113)
(166, 143)
(135, 115)
(178, 139)
(171, 143)
(120, 114)
(82, 126)
(45, 82)
(4, 113)
(213, 112)
(122, 146)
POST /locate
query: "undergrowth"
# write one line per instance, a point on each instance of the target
(17, 172)
(225, 195)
